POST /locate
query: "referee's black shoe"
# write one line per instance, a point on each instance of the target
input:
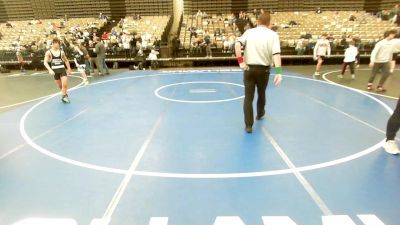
(259, 117)
(249, 129)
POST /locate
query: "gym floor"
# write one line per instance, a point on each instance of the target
(169, 147)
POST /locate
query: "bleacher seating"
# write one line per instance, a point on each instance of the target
(152, 26)
(366, 27)
(25, 34)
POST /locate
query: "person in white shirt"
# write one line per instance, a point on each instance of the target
(381, 56)
(322, 50)
(127, 45)
(144, 44)
(153, 59)
(261, 50)
(350, 56)
(226, 45)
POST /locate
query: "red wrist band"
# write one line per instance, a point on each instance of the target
(240, 60)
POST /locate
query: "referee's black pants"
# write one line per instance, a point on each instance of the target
(256, 76)
(394, 123)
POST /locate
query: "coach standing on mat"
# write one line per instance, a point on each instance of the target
(261, 50)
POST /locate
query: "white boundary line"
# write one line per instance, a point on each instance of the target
(307, 186)
(203, 176)
(124, 184)
(19, 147)
(367, 92)
(36, 99)
(156, 92)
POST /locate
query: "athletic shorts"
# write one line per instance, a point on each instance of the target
(322, 57)
(58, 76)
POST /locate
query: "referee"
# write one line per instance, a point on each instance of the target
(261, 50)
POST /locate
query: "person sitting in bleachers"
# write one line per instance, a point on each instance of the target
(226, 45)
(393, 13)
(199, 13)
(318, 11)
(9, 25)
(105, 36)
(256, 13)
(144, 44)
(1, 36)
(293, 23)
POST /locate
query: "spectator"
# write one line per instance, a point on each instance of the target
(133, 45)
(226, 45)
(105, 36)
(140, 60)
(331, 40)
(207, 42)
(92, 56)
(352, 18)
(144, 44)
(9, 25)
(199, 14)
(36, 63)
(343, 42)
(232, 40)
(101, 57)
(175, 46)
(255, 13)
(20, 60)
(397, 21)
(300, 48)
(318, 11)
(393, 13)
(293, 23)
(127, 45)
(153, 57)
(1, 36)
(157, 44)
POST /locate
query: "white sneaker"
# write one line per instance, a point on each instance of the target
(391, 147)
(340, 76)
(65, 99)
(86, 82)
(353, 77)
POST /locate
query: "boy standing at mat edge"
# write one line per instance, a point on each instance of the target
(381, 56)
(322, 50)
(350, 57)
(57, 58)
(261, 50)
